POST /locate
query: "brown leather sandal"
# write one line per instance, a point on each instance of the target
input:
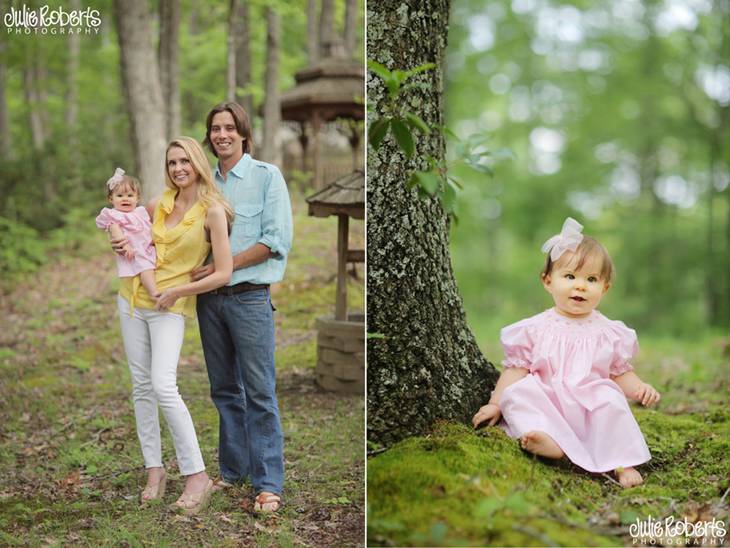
(266, 503)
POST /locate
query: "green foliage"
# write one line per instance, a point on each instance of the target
(396, 117)
(21, 251)
(601, 141)
(436, 180)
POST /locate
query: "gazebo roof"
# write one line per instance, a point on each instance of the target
(343, 196)
(335, 87)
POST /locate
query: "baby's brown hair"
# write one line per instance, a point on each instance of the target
(588, 247)
(127, 181)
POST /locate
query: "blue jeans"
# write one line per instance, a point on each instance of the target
(237, 333)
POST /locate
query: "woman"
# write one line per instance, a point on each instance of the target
(189, 219)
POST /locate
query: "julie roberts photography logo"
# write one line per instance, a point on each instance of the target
(47, 20)
(673, 532)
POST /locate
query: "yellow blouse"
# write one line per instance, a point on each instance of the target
(179, 250)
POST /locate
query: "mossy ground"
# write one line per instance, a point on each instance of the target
(460, 487)
(71, 462)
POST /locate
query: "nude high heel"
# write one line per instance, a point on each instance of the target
(154, 492)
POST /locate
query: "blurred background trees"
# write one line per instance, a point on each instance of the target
(617, 114)
(74, 107)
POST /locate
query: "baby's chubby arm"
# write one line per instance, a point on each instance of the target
(636, 389)
(491, 411)
(116, 234)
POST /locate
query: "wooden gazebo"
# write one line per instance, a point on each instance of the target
(341, 339)
(332, 89)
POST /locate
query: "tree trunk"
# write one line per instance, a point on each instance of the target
(312, 32)
(272, 108)
(243, 60)
(326, 27)
(231, 51)
(72, 69)
(142, 93)
(351, 18)
(5, 148)
(40, 80)
(428, 365)
(32, 101)
(169, 66)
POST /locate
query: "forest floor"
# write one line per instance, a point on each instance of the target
(71, 463)
(460, 487)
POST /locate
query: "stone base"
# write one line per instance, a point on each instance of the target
(341, 354)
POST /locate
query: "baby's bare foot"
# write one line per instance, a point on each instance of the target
(541, 444)
(629, 477)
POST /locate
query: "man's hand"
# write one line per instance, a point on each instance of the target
(647, 395)
(202, 271)
(166, 299)
(489, 412)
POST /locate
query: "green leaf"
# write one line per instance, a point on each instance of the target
(504, 154)
(420, 68)
(451, 134)
(456, 182)
(476, 139)
(377, 132)
(487, 507)
(393, 86)
(379, 69)
(375, 336)
(438, 532)
(403, 137)
(628, 517)
(480, 168)
(399, 76)
(416, 122)
(427, 181)
(517, 503)
(448, 198)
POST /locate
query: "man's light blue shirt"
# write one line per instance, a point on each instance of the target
(259, 197)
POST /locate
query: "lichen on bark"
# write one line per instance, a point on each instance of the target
(428, 366)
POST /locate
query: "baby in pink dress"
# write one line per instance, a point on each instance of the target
(127, 220)
(567, 370)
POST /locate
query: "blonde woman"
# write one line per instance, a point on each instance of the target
(188, 220)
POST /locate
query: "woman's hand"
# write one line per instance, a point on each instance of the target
(167, 299)
(119, 245)
(128, 251)
(489, 412)
(647, 395)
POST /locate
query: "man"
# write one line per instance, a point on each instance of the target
(236, 321)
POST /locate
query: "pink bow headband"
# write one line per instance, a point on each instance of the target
(115, 179)
(569, 239)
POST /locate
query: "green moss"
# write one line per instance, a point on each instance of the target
(458, 487)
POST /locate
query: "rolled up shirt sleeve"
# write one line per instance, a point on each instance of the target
(276, 221)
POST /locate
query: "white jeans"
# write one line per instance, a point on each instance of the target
(152, 341)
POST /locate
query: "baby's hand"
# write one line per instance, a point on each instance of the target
(647, 395)
(488, 412)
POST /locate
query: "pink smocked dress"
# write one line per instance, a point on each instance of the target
(136, 226)
(568, 393)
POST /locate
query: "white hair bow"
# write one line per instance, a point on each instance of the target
(569, 239)
(115, 179)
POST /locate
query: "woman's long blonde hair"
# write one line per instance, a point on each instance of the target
(208, 192)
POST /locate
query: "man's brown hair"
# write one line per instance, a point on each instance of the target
(240, 118)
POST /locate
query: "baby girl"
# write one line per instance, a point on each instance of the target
(127, 220)
(567, 370)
